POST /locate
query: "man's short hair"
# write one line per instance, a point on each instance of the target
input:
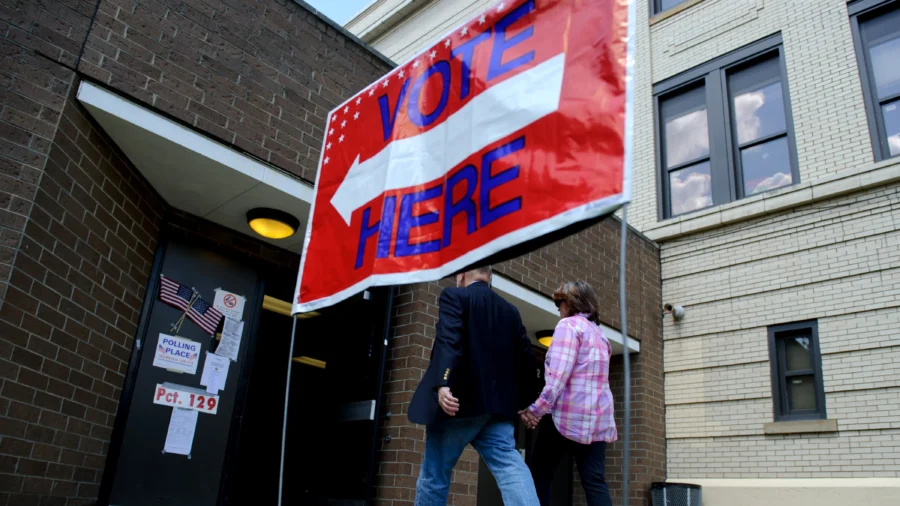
(484, 270)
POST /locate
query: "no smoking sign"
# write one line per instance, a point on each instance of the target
(230, 304)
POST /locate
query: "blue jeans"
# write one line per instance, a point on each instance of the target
(493, 439)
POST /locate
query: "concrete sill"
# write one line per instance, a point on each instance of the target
(826, 187)
(801, 427)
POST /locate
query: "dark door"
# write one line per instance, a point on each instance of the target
(332, 417)
(143, 474)
(489, 493)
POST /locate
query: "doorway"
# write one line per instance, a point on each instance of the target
(489, 493)
(236, 453)
(336, 372)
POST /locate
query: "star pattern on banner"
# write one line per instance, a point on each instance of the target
(443, 49)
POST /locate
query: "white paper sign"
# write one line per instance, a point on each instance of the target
(177, 353)
(231, 339)
(215, 372)
(180, 396)
(230, 304)
(182, 426)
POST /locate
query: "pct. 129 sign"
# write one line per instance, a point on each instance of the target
(178, 396)
(509, 128)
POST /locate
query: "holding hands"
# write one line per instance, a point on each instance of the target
(528, 418)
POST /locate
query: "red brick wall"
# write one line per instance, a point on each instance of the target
(415, 317)
(78, 224)
(591, 255)
(71, 310)
(258, 74)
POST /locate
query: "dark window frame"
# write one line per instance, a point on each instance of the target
(862, 11)
(727, 180)
(777, 363)
(656, 7)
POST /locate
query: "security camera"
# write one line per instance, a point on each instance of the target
(677, 312)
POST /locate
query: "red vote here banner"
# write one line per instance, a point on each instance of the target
(515, 125)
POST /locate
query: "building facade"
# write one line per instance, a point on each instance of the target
(766, 166)
(135, 135)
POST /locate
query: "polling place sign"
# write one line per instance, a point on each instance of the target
(515, 125)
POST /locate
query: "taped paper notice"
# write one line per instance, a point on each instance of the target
(182, 427)
(215, 372)
(230, 344)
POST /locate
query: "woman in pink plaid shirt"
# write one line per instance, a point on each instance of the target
(577, 397)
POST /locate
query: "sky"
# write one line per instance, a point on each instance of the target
(340, 11)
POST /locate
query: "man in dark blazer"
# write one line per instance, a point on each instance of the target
(482, 367)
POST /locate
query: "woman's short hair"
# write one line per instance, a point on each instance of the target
(580, 297)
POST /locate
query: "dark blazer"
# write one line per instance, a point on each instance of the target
(482, 352)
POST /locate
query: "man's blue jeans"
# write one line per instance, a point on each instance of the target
(493, 439)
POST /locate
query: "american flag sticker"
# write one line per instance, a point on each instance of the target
(174, 293)
(204, 315)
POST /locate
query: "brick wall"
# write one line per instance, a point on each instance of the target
(78, 224)
(33, 91)
(430, 22)
(260, 75)
(71, 310)
(833, 261)
(591, 255)
(830, 123)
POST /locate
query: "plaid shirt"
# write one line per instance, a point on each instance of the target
(577, 382)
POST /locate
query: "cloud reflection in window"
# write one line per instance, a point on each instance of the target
(759, 113)
(690, 188)
(687, 138)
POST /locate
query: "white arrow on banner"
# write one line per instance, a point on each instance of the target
(494, 114)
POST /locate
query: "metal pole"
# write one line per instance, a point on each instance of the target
(626, 358)
(287, 393)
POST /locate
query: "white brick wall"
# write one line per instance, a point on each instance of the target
(715, 419)
(744, 381)
(837, 262)
(424, 27)
(849, 454)
(716, 350)
(830, 125)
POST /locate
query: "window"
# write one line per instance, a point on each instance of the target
(876, 30)
(658, 6)
(796, 372)
(724, 130)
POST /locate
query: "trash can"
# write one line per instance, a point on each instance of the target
(675, 494)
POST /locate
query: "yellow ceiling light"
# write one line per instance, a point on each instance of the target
(545, 337)
(272, 223)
